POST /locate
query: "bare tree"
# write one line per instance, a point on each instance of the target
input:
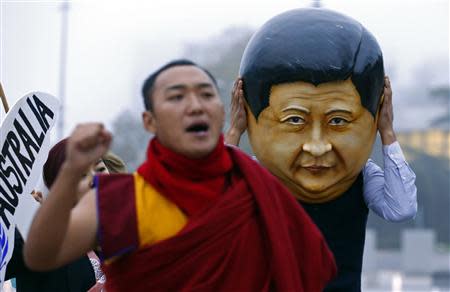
(442, 95)
(130, 139)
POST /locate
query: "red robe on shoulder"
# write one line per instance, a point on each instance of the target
(254, 237)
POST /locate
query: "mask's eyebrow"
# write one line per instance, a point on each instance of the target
(338, 110)
(295, 107)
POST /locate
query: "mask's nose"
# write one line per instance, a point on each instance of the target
(317, 145)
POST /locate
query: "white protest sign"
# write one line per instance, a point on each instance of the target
(24, 146)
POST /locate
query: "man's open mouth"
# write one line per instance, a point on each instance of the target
(198, 128)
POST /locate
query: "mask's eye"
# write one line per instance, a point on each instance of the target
(293, 120)
(338, 122)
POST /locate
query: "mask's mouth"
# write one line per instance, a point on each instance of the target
(315, 168)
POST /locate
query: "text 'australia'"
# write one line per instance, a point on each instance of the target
(18, 151)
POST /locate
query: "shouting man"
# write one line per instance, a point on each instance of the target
(196, 216)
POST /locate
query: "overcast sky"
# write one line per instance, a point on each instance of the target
(114, 45)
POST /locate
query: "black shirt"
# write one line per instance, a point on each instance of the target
(77, 276)
(343, 224)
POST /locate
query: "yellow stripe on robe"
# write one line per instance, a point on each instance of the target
(157, 217)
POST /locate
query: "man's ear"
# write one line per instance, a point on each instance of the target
(149, 122)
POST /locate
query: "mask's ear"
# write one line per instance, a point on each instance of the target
(249, 113)
(148, 119)
(377, 115)
(381, 101)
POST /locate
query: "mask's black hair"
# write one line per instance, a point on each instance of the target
(314, 46)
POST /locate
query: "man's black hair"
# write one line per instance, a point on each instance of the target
(315, 46)
(147, 88)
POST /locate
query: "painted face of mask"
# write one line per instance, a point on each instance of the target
(316, 139)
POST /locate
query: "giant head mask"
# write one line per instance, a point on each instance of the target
(313, 82)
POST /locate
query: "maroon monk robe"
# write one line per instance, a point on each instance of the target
(255, 237)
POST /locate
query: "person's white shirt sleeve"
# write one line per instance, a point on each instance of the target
(392, 193)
